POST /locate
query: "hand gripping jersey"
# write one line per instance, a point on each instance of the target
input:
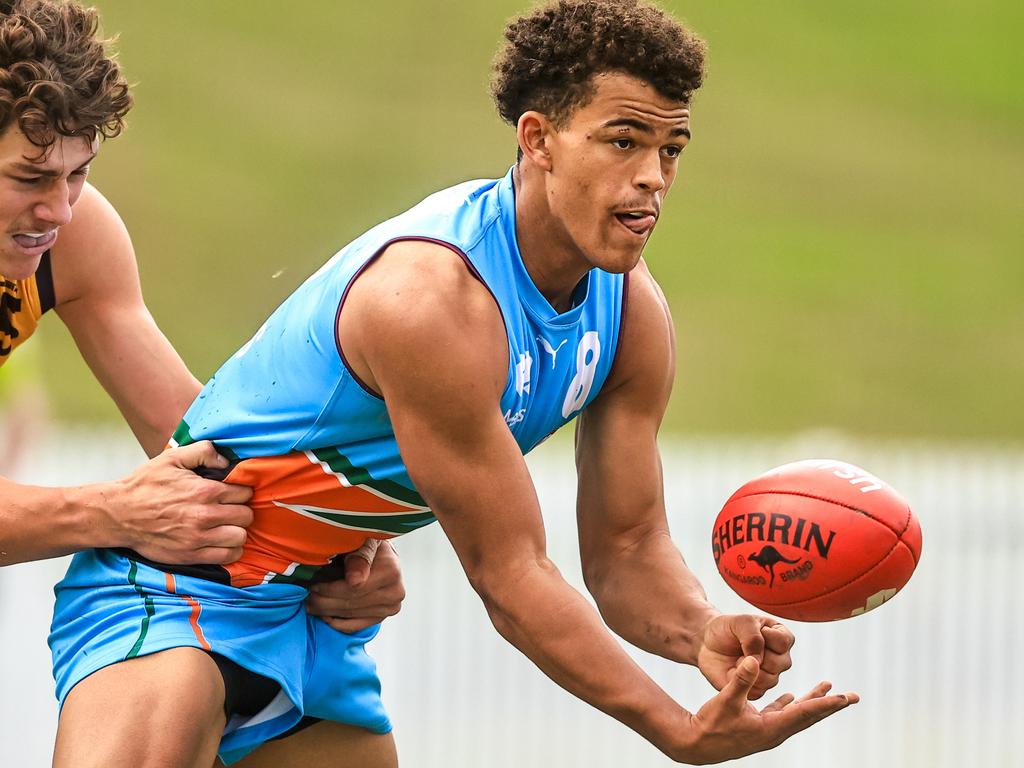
(318, 446)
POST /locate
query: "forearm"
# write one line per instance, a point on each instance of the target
(650, 598)
(558, 630)
(154, 418)
(136, 365)
(154, 429)
(38, 523)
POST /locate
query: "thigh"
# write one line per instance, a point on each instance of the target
(328, 744)
(161, 710)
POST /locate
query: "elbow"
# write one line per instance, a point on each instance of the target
(599, 578)
(506, 590)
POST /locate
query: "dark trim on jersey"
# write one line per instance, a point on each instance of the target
(208, 572)
(421, 238)
(622, 325)
(304, 576)
(44, 284)
(216, 473)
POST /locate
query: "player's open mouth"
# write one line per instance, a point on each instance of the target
(638, 222)
(34, 243)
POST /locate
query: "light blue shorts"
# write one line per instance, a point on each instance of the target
(110, 608)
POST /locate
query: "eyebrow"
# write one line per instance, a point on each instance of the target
(34, 170)
(640, 125)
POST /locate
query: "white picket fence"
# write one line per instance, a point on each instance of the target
(939, 669)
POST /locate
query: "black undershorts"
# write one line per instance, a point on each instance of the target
(246, 693)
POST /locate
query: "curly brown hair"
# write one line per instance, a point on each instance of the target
(553, 53)
(57, 76)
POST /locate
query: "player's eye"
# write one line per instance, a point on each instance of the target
(623, 143)
(29, 180)
(673, 151)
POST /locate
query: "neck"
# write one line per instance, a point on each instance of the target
(553, 262)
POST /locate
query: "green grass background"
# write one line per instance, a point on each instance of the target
(844, 248)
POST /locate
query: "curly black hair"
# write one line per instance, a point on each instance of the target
(553, 53)
(57, 77)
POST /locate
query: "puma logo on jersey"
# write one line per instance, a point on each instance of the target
(547, 348)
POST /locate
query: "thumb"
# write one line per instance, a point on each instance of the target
(737, 690)
(358, 563)
(201, 454)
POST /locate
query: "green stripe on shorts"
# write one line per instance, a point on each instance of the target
(150, 610)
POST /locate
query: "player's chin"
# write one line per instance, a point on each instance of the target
(17, 266)
(619, 258)
(630, 249)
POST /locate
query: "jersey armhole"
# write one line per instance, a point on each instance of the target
(44, 285)
(622, 325)
(341, 303)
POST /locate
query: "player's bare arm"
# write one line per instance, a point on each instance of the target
(421, 331)
(634, 570)
(623, 532)
(99, 299)
(163, 509)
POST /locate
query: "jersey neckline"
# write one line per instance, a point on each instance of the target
(532, 299)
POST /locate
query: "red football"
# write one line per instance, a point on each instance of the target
(816, 540)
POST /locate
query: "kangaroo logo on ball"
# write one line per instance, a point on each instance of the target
(768, 558)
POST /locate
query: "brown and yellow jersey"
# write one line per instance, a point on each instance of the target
(22, 303)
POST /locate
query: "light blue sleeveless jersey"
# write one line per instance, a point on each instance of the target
(289, 388)
(320, 453)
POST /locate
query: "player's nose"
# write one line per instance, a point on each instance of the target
(650, 176)
(55, 207)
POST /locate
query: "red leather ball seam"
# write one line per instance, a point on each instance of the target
(837, 502)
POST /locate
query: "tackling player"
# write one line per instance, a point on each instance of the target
(405, 380)
(64, 247)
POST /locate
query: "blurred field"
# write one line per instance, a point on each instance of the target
(843, 248)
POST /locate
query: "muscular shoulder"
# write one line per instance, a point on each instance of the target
(418, 310)
(646, 353)
(415, 280)
(93, 252)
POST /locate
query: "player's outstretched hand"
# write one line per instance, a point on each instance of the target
(727, 639)
(371, 591)
(728, 726)
(168, 513)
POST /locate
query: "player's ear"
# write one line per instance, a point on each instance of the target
(533, 131)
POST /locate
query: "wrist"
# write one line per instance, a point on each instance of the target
(676, 735)
(703, 613)
(88, 515)
(687, 747)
